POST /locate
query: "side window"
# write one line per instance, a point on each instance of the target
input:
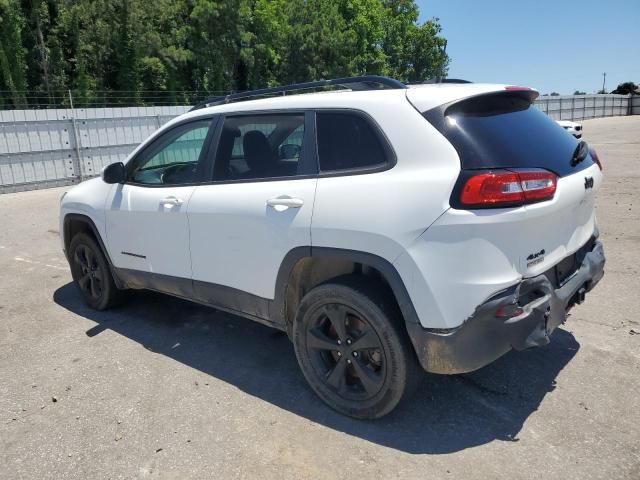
(347, 141)
(172, 159)
(259, 146)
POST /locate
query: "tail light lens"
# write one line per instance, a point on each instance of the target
(595, 157)
(508, 188)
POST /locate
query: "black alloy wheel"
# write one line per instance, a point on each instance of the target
(346, 351)
(91, 273)
(353, 348)
(91, 276)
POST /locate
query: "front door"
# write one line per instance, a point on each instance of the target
(146, 218)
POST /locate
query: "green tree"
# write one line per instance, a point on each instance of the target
(166, 63)
(414, 52)
(425, 57)
(126, 63)
(263, 45)
(401, 17)
(626, 88)
(12, 54)
(365, 27)
(216, 29)
(578, 92)
(317, 43)
(133, 52)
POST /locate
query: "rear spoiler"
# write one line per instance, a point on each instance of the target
(489, 103)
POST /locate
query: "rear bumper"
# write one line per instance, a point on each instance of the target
(539, 305)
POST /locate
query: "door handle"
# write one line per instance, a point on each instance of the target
(171, 201)
(285, 202)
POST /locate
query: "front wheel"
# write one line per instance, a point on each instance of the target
(353, 349)
(91, 273)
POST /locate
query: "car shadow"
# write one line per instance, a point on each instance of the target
(447, 414)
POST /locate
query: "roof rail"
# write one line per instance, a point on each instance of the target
(444, 80)
(354, 83)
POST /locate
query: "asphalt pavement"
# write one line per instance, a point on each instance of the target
(165, 388)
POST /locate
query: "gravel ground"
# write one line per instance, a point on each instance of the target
(164, 388)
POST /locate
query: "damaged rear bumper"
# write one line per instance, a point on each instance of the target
(520, 317)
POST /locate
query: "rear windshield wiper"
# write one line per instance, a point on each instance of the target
(580, 153)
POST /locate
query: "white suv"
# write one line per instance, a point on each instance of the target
(384, 229)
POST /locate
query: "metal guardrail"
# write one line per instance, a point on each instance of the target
(47, 148)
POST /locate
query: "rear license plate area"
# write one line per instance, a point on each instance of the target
(565, 269)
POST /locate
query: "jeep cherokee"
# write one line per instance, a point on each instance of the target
(384, 227)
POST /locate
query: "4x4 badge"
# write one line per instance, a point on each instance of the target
(588, 183)
(535, 258)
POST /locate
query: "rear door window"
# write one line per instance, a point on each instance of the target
(348, 141)
(505, 130)
(264, 146)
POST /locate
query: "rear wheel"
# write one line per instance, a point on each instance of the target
(352, 348)
(91, 273)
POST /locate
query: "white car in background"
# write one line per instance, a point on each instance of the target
(573, 128)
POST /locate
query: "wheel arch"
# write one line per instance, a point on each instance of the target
(75, 223)
(306, 267)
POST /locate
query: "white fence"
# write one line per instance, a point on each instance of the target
(635, 105)
(44, 148)
(583, 107)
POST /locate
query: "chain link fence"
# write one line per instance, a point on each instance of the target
(55, 147)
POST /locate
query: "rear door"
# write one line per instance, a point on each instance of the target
(502, 131)
(256, 208)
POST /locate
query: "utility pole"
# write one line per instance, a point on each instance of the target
(604, 79)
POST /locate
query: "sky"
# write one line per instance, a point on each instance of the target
(554, 46)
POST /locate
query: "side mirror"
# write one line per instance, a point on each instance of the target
(289, 150)
(114, 173)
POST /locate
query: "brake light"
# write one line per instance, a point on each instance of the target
(517, 88)
(508, 188)
(595, 157)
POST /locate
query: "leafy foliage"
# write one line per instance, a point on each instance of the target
(626, 88)
(170, 51)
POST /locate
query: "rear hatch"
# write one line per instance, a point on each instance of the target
(535, 183)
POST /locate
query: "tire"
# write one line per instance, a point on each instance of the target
(353, 349)
(91, 273)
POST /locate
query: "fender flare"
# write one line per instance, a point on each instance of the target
(386, 268)
(92, 226)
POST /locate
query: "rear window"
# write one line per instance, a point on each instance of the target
(347, 141)
(505, 130)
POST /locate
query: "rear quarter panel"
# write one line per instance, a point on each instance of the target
(383, 213)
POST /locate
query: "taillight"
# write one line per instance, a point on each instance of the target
(595, 157)
(508, 188)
